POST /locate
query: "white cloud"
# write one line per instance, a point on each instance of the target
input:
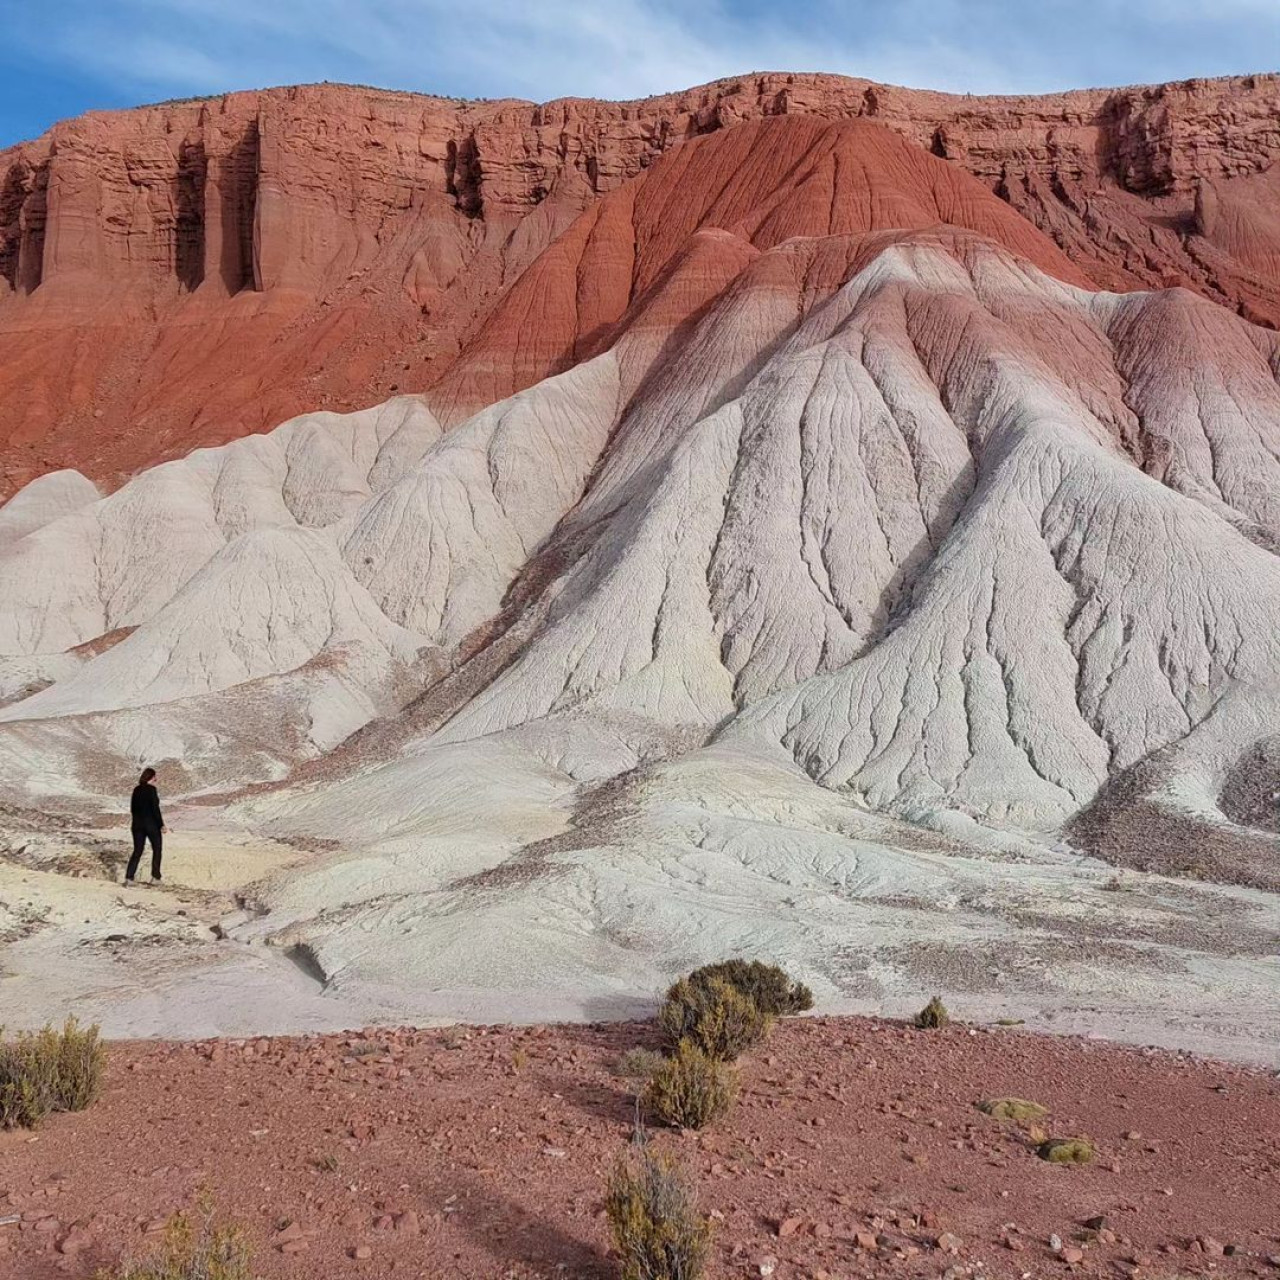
(630, 48)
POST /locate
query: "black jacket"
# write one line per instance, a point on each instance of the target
(144, 807)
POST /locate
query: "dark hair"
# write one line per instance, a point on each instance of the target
(147, 774)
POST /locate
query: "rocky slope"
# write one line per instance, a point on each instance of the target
(186, 273)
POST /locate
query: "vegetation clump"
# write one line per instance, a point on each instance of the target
(656, 1227)
(191, 1250)
(1019, 1110)
(690, 1089)
(933, 1015)
(48, 1071)
(769, 987)
(715, 1016)
(638, 1064)
(1066, 1150)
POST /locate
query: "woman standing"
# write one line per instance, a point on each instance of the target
(148, 824)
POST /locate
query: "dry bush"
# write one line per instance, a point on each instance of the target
(192, 1250)
(638, 1064)
(657, 1229)
(717, 1017)
(770, 987)
(47, 1071)
(690, 1089)
(1066, 1151)
(933, 1015)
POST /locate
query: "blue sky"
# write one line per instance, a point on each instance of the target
(62, 57)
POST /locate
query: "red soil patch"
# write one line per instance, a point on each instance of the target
(854, 1147)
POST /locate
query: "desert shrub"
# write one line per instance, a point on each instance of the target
(771, 988)
(933, 1015)
(657, 1229)
(1066, 1150)
(46, 1071)
(690, 1089)
(638, 1064)
(1018, 1110)
(192, 1250)
(717, 1017)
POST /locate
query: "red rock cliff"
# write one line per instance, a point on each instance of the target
(182, 274)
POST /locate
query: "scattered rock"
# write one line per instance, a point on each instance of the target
(1018, 1110)
(77, 1240)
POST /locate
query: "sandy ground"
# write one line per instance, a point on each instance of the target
(855, 1149)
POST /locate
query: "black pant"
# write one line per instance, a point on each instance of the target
(140, 836)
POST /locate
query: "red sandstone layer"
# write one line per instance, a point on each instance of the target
(186, 273)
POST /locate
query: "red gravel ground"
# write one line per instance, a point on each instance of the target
(854, 1150)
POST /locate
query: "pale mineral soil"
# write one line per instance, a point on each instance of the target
(582, 906)
(855, 1149)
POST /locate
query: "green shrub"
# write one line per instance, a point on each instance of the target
(1018, 1110)
(717, 1017)
(23, 1104)
(191, 1251)
(1066, 1150)
(933, 1015)
(47, 1071)
(638, 1064)
(771, 988)
(690, 1089)
(657, 1230)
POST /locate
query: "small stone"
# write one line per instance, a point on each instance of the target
(1214, 1248)
(767, 1265)
(948, 1242)
(866, 1240)
(407, 1223)
(1055, 1243)
(789, 1226)
(293, 1246)
(76, 1241)
(1095, 1223)
(362, 1253)
(1071, 1255)
(291, 1231)
(48, 1226)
